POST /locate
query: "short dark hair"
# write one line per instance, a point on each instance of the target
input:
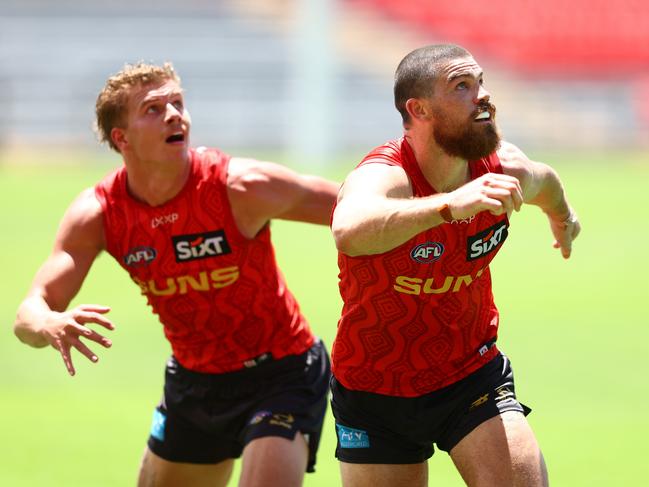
(418, 71)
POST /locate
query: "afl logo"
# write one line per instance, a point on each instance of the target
(427, 252)
(139, 256)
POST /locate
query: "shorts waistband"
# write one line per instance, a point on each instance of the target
(486, 346)
(263, 361)
(259, 366)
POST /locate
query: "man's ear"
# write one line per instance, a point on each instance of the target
(418, 109)
(118, 136)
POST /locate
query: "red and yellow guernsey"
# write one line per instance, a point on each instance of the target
(220, 296)
(420, 316)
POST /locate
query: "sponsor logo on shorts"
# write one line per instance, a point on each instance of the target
(259, 417)
(427, 252)
(352, 437)
(158, 425)
(479, 402)
(275, 419)
(200, 245)
(140, 256)
(283, 420)
(487, 241)
(503, 394)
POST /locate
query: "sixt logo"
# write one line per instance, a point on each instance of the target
(200, 245)
(139, 256)
(352, 438)
(486, 241)
(427, 252)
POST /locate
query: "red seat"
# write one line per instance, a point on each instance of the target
(557, 37)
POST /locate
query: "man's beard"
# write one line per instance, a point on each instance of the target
(470, 142)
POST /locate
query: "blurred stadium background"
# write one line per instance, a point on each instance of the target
(315, 76)
(309, 83)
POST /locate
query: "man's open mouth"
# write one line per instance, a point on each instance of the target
(179, 137)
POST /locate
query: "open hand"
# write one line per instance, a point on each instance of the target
(64, 331)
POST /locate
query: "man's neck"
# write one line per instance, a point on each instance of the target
(156, 183)
(444, 173)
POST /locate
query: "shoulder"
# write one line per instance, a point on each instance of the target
(383, 180)
(263, 178)
(83, 220)
(245, 172)
(530, 174)
(514, 162)
(86, 206)
(391, 153)
(209, 156)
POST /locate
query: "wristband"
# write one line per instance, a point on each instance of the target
(445, 213)
(571, 218)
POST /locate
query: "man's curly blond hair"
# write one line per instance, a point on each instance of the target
(112, 102)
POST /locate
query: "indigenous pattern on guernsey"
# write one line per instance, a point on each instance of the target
(220, 296)
(421, 316)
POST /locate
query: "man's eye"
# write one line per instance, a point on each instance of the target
(461, 86)
(178, 104)
(152, 109)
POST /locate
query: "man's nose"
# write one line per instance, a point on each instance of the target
(172, 113)
(483, 95)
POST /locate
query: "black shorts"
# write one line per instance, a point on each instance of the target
(375, 428)
(207, 418)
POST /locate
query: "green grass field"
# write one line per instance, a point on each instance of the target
(577, 332)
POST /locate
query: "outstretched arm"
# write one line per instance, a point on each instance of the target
(376, 211)
(260, 191)
(542, 187)
(42, 318)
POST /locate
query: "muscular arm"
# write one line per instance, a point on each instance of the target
(377, 212)
(260, 191)
(542, 187)
(42, 318)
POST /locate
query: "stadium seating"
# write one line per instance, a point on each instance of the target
(555, 37)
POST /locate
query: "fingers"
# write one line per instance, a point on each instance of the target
(76, 343)
(564, 236)
(67, 329)
(64, 350)
(90, 314)
(67, 339)
(503, 196)
(91, 335)
(494, 206)
(504, 188)
(566, 248)
(98, 308)
(513, 190)
(497, 193)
